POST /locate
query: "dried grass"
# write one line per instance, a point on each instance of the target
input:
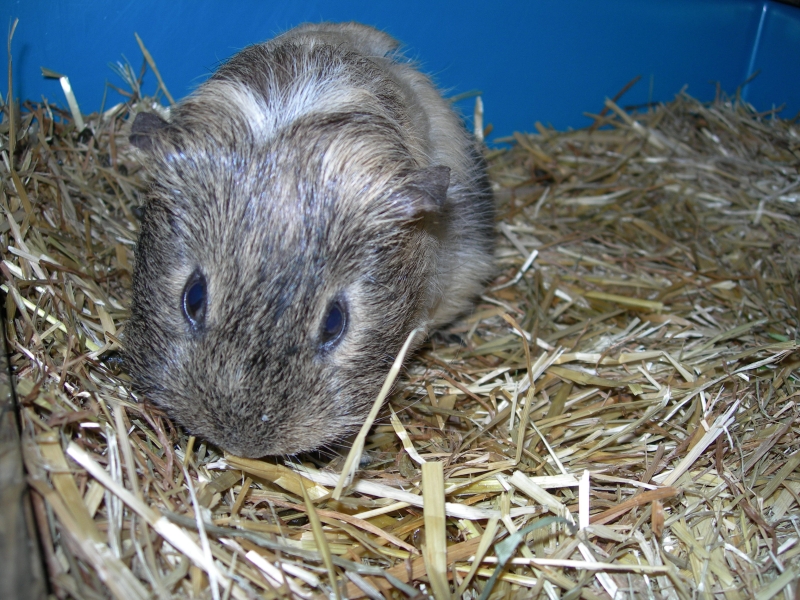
(618, 416)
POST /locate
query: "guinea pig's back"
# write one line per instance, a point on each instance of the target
(438, 132)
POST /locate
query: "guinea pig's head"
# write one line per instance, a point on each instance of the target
(277, 278)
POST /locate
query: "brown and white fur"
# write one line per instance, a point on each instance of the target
(314, 173)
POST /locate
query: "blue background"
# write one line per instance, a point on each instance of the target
(546, 60)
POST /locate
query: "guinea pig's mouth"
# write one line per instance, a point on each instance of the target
(288, 445)
(264, 451)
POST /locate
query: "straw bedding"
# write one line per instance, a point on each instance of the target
(618, 417)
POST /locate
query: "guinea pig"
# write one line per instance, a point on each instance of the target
(311, 204)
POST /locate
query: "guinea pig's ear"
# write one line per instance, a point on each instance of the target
(426, 192)
(144, 130)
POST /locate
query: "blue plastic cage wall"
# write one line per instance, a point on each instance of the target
(548, 60)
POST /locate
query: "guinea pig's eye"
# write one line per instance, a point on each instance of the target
(334, 324)
(194, 299)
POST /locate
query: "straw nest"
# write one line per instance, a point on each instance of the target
(617, 418)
